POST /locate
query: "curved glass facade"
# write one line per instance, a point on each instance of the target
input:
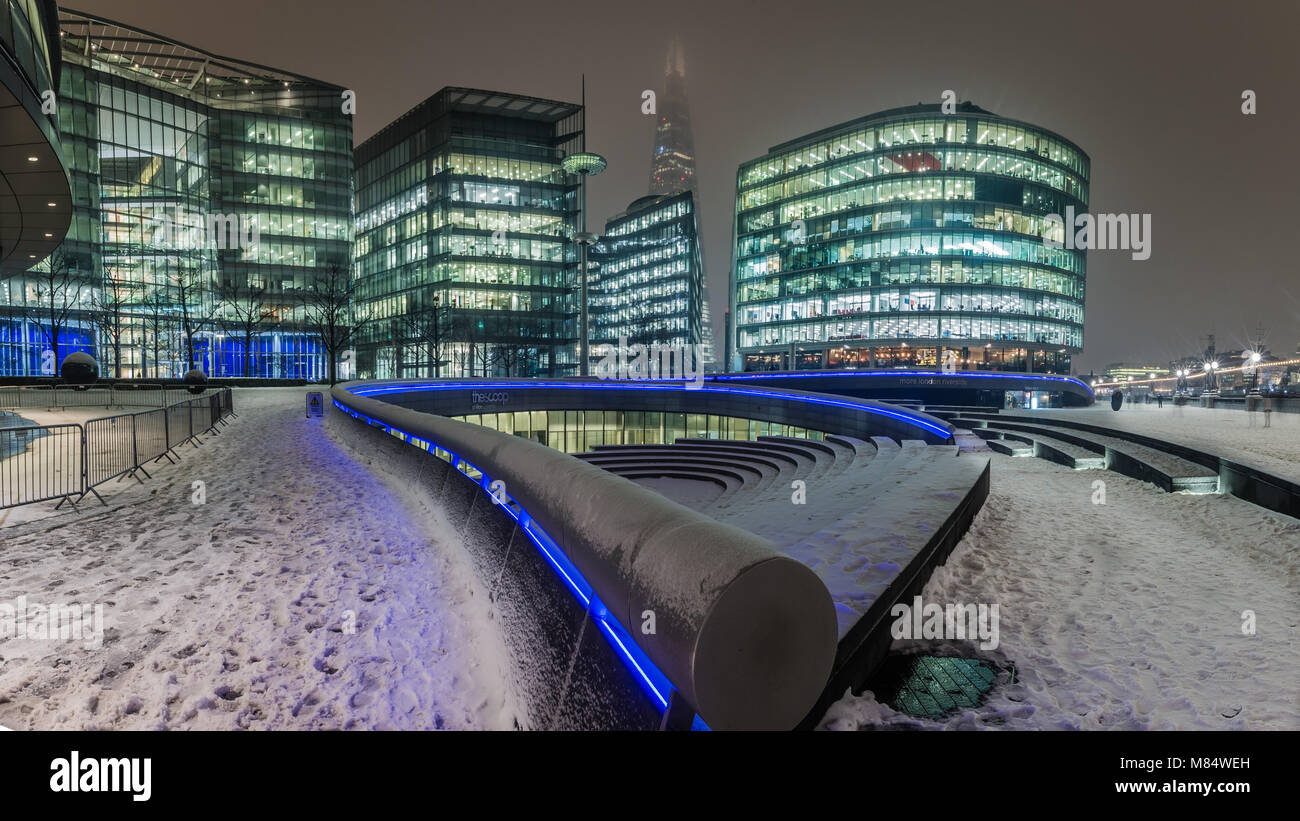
(159, 137)
(24, 34)
(34, 201)
(910, 238)
(578, 431)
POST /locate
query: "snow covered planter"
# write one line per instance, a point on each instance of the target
(745, 635)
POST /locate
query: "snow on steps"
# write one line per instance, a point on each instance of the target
(868, 506)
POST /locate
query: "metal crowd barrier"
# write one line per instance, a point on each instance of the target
(67, 461)
(127, 395)
(151, 435)
(110, 448)
(41, 463)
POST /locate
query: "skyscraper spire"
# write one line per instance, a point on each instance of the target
(676, 63)
(672, 166)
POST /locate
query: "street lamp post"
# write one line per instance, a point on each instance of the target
(1253, 370)
(1211, 379)
(437, 337)
(584, 165)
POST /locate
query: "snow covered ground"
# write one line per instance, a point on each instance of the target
(235, 613)
(1126, 615)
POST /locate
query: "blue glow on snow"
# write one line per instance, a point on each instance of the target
(651, 679)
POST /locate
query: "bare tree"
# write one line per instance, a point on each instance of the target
(512, 359)
(247, 311)
(196, 312)
(59, 286)
(159, 331)
(331, 315)
(429, 327)
(109, 304)
(477, 345)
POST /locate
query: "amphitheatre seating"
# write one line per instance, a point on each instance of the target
(872, 521)
(773, 563)
(1010, 439)
(1083, 448)
(854, 491)
(1000, 443)
(941, 410)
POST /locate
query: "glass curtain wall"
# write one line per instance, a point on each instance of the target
(911, 229)
(204, 190)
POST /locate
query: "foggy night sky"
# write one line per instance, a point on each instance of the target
(1150, 90)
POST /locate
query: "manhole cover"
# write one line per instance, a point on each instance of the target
(932, 686)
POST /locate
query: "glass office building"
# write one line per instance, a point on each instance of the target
(645, 275)
(201, 186)
(910, 238)
(35, 193)
(465, 221)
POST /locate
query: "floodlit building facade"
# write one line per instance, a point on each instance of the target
(200, 185)
(646, 283)
(35, 193)
(910, 238)
(465, 221)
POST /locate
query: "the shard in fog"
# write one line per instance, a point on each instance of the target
(672, 166)
(672, 170)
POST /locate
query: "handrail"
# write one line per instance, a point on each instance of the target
(745, 634)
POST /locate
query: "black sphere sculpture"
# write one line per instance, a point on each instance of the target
(195, 380)
(1117, 400)
(79, 370)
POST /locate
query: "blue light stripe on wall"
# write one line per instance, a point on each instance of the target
(651, 679)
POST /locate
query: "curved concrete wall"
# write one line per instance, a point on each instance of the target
(745, 634)
(861, 418)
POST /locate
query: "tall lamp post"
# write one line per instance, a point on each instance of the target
(584, 165)
(1252, 370)
(437, 336)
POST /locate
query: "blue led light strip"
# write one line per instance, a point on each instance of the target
(651, 679)
(651, 385)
